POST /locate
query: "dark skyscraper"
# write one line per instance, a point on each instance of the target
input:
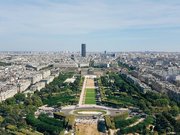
(83, 50)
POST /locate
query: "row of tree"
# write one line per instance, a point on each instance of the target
(120, 92)
(18, 111)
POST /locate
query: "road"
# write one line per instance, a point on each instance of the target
(109, 110)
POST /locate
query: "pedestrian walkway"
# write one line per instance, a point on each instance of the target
(88, 83)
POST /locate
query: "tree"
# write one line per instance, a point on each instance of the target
(11, 101)
(30, 109)
(142, 105)
(20, 97)
(8, 120)
(37, 101)
(174, 110)
(1, 119)
(28, 101)
(162, 125)
(162, 102)
(176, 126)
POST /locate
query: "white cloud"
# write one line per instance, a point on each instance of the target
(86, 16)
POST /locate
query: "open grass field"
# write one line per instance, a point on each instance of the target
(90, 96)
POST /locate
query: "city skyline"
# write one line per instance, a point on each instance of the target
(132, 25)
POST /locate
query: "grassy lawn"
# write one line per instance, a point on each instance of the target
(89, 110)
(90, 96)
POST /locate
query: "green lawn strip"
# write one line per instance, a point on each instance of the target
(90, 110)
(90, 96)
(90, 101)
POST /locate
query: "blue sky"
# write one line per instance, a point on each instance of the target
(112, 25)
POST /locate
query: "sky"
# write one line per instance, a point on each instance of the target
(111, 25)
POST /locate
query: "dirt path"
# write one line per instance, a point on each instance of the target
(139, 121)
(90, 83)
(82, 92)
(87, 129)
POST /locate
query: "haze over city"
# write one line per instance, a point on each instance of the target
(89, 67)
(118, 25)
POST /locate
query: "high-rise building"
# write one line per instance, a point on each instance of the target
(83, 50)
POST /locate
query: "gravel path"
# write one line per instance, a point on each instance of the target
(82, 92)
